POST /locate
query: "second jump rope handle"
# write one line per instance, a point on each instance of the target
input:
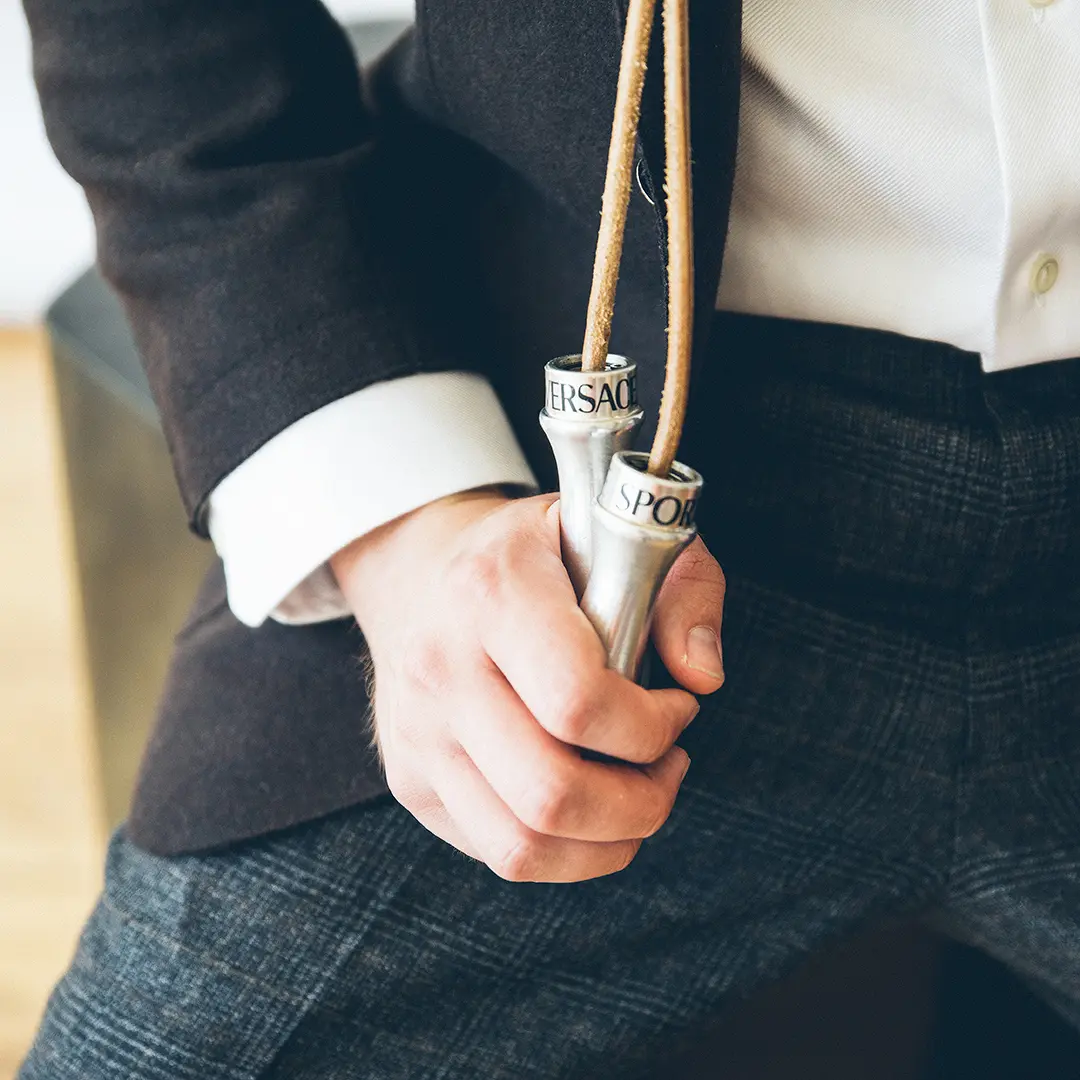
(640, 525)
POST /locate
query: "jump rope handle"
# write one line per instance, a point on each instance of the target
(627, 516)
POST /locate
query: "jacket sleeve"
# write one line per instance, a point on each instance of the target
(257, 222)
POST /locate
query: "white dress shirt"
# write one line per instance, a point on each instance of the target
(912, 165)
(904, 165)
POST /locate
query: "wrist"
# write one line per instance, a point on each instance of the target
(414, 535)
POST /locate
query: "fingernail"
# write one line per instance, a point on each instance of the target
(703, 652)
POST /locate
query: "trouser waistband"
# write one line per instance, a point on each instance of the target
(892, 478)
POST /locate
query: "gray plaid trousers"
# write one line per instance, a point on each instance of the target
(899, 737)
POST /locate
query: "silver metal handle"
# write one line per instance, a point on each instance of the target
(587, 417)
(640, 525)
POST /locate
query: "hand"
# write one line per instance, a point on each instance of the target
(489, 678)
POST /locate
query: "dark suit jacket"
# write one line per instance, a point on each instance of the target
(282, 236)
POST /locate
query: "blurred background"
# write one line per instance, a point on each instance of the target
(96, 571)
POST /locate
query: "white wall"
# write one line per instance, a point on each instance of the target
(46, 236)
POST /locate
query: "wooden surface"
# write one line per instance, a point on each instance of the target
(51, 830)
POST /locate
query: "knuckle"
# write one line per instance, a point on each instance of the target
(401, 785)
(656, 815)
(649, 740)
(703, 569)
(657, 740)
(455, 754)
(547, 805)
(406, 735)
(629, 854)
(425, 666)
(695, 570)
(572, 714)
(478, 574)
(518, 861)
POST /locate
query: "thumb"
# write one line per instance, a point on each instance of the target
(686, 626)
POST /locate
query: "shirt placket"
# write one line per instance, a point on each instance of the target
(1033, 64)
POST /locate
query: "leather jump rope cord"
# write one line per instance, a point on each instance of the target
(616, 200)
(680, 212)
(677, 187)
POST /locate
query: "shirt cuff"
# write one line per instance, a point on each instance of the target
(344, 470)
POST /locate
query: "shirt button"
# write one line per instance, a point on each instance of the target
(1044, 274)
(1041, 3)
